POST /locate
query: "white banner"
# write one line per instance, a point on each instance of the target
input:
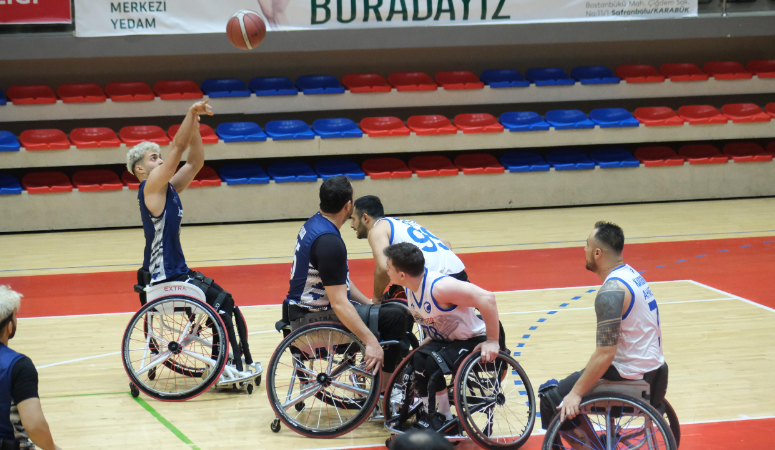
(113, 18)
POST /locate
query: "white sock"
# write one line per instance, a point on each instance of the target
(425, 402)
(442, 400)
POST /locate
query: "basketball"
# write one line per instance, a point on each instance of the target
(246, 29)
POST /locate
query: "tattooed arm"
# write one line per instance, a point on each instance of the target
(609, 306)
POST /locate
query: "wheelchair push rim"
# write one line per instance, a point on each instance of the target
(628, 423)
(316, 383)
(175, 348)
(398, 387)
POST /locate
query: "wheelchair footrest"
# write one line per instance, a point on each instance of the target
(230, 375)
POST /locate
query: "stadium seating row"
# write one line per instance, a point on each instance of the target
(403, 81)
(100, 137)
(423, 166)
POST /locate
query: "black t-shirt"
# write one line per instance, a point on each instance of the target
(329, 255)
(24, 380)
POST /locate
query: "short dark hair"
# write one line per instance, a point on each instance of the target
(420, 440)
(334, 194)
(407, 258)
(611, 235)
(371, 205)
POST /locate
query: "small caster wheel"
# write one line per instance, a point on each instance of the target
(299, 406)
(250, 388)
(133, 390)
(258, 380)
(275, 426)
(388, 441)
(152, 374)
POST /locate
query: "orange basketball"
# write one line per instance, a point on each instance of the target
(246, 29)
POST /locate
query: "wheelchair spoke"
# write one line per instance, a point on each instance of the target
(160, 359)
(305, 394)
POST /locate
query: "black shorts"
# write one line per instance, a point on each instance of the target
(452, 352)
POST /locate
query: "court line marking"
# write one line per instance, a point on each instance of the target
(733, 295)
(592, 307)
(179, 434)
(76, 360)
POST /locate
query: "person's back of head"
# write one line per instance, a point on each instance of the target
(420, 440)
(335, 193)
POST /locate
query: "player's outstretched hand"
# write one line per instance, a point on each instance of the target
(489, 350)
(202, 108)
(374, 357)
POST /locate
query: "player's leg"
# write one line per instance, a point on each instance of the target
(393, 324)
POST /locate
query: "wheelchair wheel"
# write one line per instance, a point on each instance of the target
(495, 401)
(321, 367)
(672, 421)
(402, 405)
(629, 423)
(175, 348)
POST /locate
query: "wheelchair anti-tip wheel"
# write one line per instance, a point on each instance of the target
(175, 348)
(611, 421)
(320, 367)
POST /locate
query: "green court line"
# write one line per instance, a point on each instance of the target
(85, 395)
(166, 423)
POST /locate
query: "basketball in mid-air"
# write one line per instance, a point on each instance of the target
(246, 29)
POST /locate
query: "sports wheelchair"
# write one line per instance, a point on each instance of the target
(177, 346)
(617, 415)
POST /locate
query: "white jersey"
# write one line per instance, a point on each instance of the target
(458, 323)
(640, 345)
(438, 258)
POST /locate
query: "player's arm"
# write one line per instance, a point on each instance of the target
(379, 240)
(357, 295)
(445, 242)
(35, 424)
(609, 305)
(194, 163)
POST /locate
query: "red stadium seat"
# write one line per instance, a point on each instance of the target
(130, 180)
(658, 116)
(49, 139)
(31, 94)
(770, 109)
(702, 115)
(745, 113)
(702, 154)
(434, 124)
(478, 123)
(378, 168)
(366, 82)
(639, 73)
(94, 138)
(746, 152)
(412, 81)
(762, 68)
(683, 72)
(478, 163)
(770, 148)
(726, 70)
(97, 180)
(46, 182)
(432, 166)
(459, 79)
(129, 91)
(384, 126)
(207, 133)
(206, 177)
(177, 89)
(81, 93)
(658, 156)
(133, 135)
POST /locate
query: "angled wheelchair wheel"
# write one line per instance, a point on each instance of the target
(402, 405)
(316, 383)
(672, 421)
(611, 421)
(175, 348)
(495, 401)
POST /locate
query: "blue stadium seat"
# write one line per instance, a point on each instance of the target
(240, 132)
(8, 142)
(285, 130)
(613, 118)
(569, 159)
(609, 158)
(265, 86)
(288, 172)
(550, 77)
(336, 128)
(244, 174)
(524, 161)
(319, 84)
(9, 185)
(523, 121)
(336, 167)
(225, 87)
(2, 98)
(594, 75)
(568, 119)
(504, 78)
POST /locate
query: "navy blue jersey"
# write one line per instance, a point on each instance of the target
(8, 358)
(306, 288)
(163, 255)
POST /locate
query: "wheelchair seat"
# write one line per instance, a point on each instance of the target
(176, 288)
(635, 388)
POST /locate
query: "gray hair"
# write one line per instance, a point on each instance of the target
(10, 301)
(136, 154)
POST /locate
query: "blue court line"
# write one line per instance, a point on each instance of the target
(532, 328)
(525, 336)
(659, 267)
(722, 251)
(745, 246)
(768, 242)
(701, 256)
(576, 297)
(564, 305)
(643, 271)
(520, 345)
(542, 320)
(681, 260)
(517, 353)
(552, 312)
(591, 290)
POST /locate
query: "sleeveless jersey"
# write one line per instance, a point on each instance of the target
(438, 258)
(163, 254)
(640, 346)
(306, 286)
(458, 323)
(8, 358)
